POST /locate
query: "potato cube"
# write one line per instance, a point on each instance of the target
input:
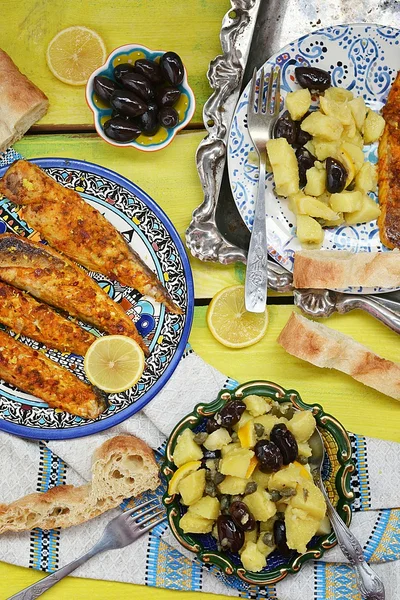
(217, 439)
(246, 416)
(304, 449)
(298, 103)
(309, 231)
(366, 178)
(260, 505)
(310, 146)
(257, 405)
(191, 523)
(315, 208)
(300, 528)
(284, 166)
(323, 126)
(191, 488)
(233, 485)
(316, 181)
(207, 507)
(323, 149)
(350, 130)
(369, 211)
(186, 449)
(287, 477)
(324, 527)
(359, 111)
(236, 462)
(356, 154)
(355, 139)
(302, 425)
(338, 110)
(347, 202)
(261, 478)
(338, 94)
(249, 536)
(264, 548)
(334, 222)
(247, 435)
(268, 525)
(310, 499)
(373, 127)
(267, 421)
(229, 447)
(252, 559)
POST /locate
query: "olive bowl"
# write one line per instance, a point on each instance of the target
(102, 112)
(337, 470)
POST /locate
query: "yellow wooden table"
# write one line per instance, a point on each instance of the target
(191, 29)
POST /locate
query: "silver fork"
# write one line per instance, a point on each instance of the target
(119, 532)
(261, 120)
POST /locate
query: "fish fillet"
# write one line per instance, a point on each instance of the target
(54, 279)
(23, 314)
(74, 227)
(34, 373)
(389, 170)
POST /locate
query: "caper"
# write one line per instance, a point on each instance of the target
(275, 495)
(259, 429)
(287, 492)
(200, 437)
(224, 502)
(303, 460)
(268, 539)
(210, 489)
(234, 436)
(236, 498)
(219, 477)
(250, 488)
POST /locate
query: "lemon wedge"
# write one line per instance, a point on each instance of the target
(348, 164)
(181, 473)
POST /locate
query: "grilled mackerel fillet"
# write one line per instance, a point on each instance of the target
(56, 280)
(23, 314)
(389, 170)
(34, 373)
(75, 228)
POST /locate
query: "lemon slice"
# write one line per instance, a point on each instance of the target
(229, 321)
(114, 363)
(348, 164)
(74, 53)
(181, 473)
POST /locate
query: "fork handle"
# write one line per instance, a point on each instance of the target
(257, 263)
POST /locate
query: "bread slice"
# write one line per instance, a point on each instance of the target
(124, 466)
(340, 269)
(21, 102)
(325, 347)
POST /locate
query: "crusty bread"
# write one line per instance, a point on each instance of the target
(123, 467)
(325, 347)
(21, 102)
(340, 269)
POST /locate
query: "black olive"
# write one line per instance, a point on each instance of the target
(230, 414)
(168, 96)
(313, 78)
(302, 136)
(305, 161)
(230, 536)
(104, 87)
(286, 128)
(117, 115)
(336, 175)
(212, 425)
(280, 538)
(286, 442)
(172, 68)
(139, 84)
(149, 69)
(127, 103)
(242, 516)
(148, 120)
(269, 456)
(121, 70)
(121, 130)
(168, 117)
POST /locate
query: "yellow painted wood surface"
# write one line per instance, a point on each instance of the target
(189, 28)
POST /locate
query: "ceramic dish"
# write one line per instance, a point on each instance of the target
(362, 58)
(185, 105)
(149, 231)
(336, 474)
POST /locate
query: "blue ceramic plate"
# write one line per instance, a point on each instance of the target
(363, 58)
(149, 231)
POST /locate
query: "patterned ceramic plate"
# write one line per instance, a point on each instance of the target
(362, 58)
(149, 231)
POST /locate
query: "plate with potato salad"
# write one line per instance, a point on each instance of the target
(321, 185)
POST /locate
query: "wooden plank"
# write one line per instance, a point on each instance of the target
(191, 31)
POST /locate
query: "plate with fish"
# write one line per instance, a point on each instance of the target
(84, 252)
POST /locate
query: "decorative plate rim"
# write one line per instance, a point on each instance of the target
(324, 420)
(91, 428)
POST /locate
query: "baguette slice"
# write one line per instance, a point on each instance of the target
(340, 269)
(123, 467)
(325, 347)
(22, 103)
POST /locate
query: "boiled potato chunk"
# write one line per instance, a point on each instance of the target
(249, 536)
(359, 111)
(369, 211)
(323, 149)
(260, 505)
(366, 178)
(287, 477)
(257, 405)
(247, 435)
(310, 499)
(338, 94)
(304, 449)
(302, 425)
(264, 548)
(186, 449)
(309, 231)
(229, 447)
(233, 485)
(192, 523)
(261, 478)
(298, 103)
(207, 507)
(355, 139)
(268, 421)
(347, 202)
(252, 559)
(373, 127)
(246, 416)
(191, 488)
(323, 126)
(284, 166)
(339, 110)
(217, 439)
(300, 528)
(316, 181)
(324, 527)
(315, 208)
(236, 463)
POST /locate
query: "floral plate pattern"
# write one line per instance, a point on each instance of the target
(363, 58)
(152, 235)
